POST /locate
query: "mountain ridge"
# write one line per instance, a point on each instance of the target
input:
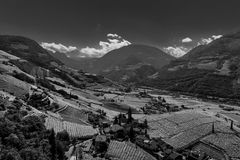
(211, 69)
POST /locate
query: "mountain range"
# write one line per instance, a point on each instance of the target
(126, 63)
(212, 69)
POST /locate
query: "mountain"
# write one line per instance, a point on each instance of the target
(212, 69)
(131, 55)
(125, 63)
(27, 49)
(25, 59)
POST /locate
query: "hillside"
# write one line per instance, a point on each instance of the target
(211, 69)
(27, 49)
(74, 62)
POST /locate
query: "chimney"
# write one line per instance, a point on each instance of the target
(231, 125)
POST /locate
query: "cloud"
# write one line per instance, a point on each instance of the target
(176, 51)
(205, 41)
(216, 37)
(187, 40)
(53, 47)
(113, 35)
(114, 42)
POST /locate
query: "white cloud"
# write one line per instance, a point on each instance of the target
(114, 42)
(186, 40)
(205, 41)
(53, 47)
(216, 37)
(113, 35)
(176, 51)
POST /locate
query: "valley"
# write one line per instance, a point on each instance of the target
(102, 116)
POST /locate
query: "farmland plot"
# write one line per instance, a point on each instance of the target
(13, 85)
(74, 129)
(74, 115)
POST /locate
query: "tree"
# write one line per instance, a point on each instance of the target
(52, 142)
(131, 133)
(60, 150)
(33, 123)
(129, 115)
(163, 100)
(115, 120)
(11, 154)
(63, 136)
(29, 153)
(146, 133)
(213, 130)
(146, 123)
(13, 141)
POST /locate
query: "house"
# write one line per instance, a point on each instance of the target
(101, 143)
(146, 143)
(172, 108)
(86, 145)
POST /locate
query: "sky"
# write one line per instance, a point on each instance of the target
(95, 27)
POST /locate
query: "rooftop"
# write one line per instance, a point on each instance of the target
(127, 151)
(183, 129)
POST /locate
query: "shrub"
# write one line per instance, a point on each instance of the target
(45, 83)
(23, 77)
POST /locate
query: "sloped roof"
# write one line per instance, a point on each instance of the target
(127, 151)
(228, 142)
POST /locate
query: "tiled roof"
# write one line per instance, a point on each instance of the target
(127, 151)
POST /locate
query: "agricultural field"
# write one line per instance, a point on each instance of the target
(66, 102)
(74, 115)
(127, 151)
(87, 97)
(119, 107)
(235, 116)
(13, 85)
(74, 129)
(131, 100)
(110, 113)
(56, 79)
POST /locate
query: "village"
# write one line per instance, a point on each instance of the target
(132, 126)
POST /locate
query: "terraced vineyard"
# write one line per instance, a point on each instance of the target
(74, 129)
(127, 151)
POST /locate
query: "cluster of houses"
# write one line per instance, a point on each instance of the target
(127, 138)
(158, 105)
